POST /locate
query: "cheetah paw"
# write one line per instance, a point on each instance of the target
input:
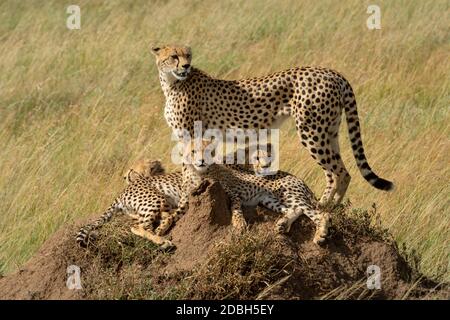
(167, 245)
(319, 237)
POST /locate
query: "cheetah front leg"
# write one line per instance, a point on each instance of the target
(166, 219)
(144, 227)
(322, 226)
(237, 215)
(183, 205)
(158, 240)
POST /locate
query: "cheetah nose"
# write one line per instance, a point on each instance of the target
(186, 66)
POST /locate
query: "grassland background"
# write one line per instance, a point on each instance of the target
(79, 106)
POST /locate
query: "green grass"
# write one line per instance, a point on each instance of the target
(79, 106)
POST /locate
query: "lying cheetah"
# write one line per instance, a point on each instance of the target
(281, 192)
(287, 186)
(315, 97)
(150, 196)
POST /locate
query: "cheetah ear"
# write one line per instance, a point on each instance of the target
(155, 50)
(133, 175)
(157, 168)
(209, 141)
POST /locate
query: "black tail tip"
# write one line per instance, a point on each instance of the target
(383, 184)
(379, 183)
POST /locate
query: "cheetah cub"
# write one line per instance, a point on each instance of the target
(151, 195)
(281, 192)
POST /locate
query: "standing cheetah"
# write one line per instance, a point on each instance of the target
(281, 192)
(315, 97)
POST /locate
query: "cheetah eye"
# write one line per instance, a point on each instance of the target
(174, 56)
(188, 56)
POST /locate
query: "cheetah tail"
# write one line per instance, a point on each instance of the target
(354, 132)
(83, 235)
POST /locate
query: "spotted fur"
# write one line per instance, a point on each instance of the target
(315, 97)
(281, 192)
(149, 198)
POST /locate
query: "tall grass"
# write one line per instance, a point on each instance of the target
(78, 106)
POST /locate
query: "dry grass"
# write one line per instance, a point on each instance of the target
(76, 107)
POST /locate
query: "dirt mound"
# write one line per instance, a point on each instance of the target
(43, 276)
(204, 225)
(210, 262)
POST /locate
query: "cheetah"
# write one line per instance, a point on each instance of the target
(314, 96)
(150, 195)
(280, 192)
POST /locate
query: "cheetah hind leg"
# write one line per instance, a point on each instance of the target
(238, 221)
(340, 173)
(163, 244)
(284, 224)
(322, 222)
(237, 216)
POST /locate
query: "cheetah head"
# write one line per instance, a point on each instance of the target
(143, 168)
(200, 155)
(174, 61)
(262, 161)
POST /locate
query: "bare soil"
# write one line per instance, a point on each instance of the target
(210, 262)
